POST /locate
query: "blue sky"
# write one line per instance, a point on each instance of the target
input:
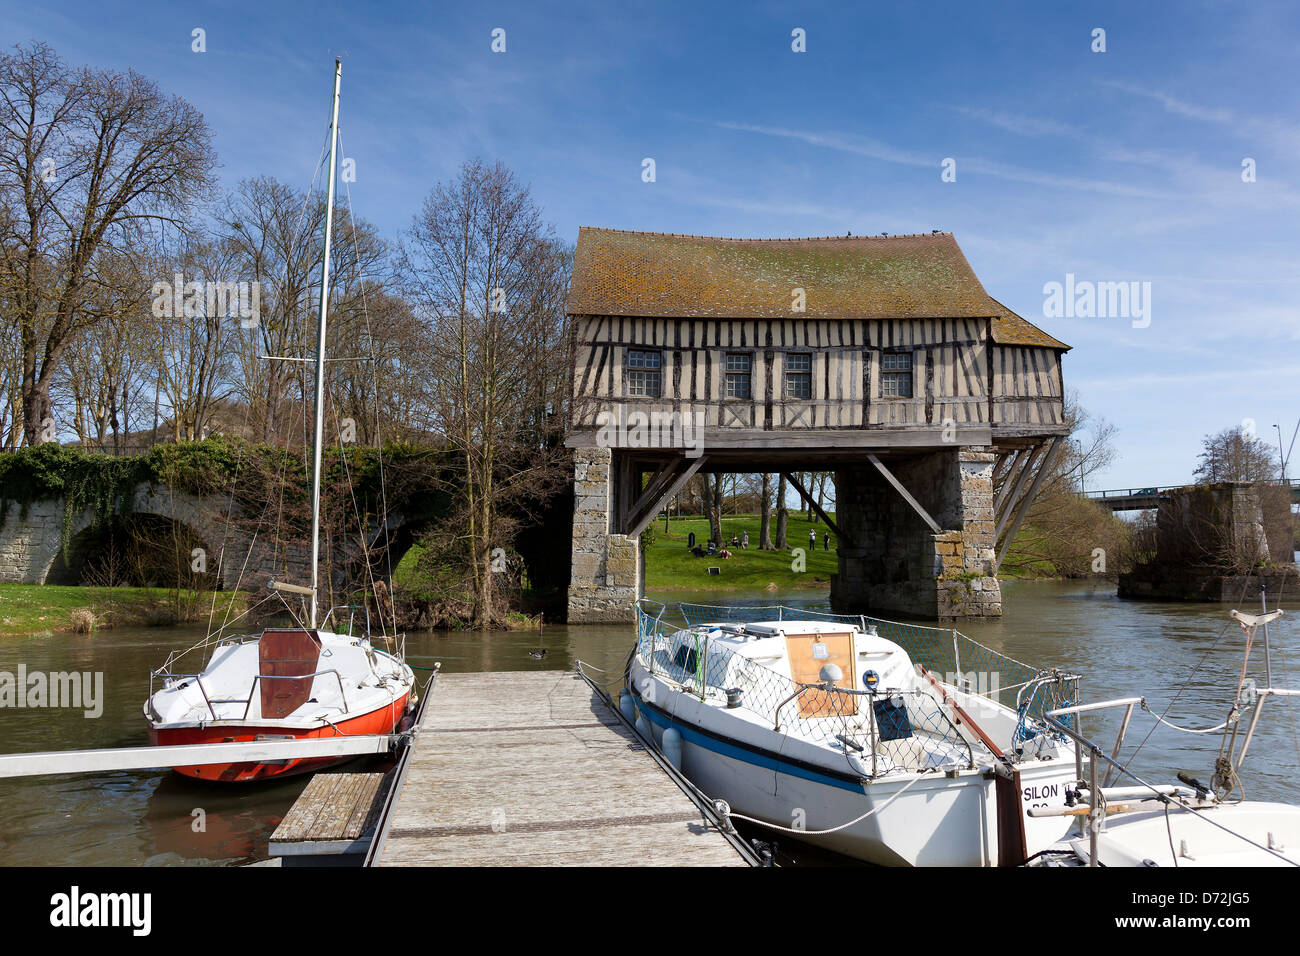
(1117, 166)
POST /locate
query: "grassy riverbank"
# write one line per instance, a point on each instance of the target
(28, 609)
(671, 567)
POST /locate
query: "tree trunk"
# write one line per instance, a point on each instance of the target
(36, 411)
(782, 515)
(765, 522)
(715, 507)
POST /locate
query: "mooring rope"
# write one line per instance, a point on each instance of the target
(1186, 730)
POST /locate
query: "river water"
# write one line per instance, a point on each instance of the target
(1122, 648)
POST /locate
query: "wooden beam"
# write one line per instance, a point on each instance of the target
(789, 476)
(1027, 500)
(1006, 461)
(830, 439)
(660, 478)
(898, 486)
(692, 465)
(1005, 502)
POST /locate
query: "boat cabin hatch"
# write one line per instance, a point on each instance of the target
(286, 666)
(809, 654)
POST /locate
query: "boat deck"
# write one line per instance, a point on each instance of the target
(534, 769)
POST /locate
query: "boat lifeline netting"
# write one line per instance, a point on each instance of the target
(895, 732)
(948, 654)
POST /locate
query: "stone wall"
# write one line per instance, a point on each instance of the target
(889, 558)
(606, 580)
(31, 538)
(1211, 543)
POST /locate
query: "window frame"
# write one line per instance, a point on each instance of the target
(647, 373)
(898, 374)
(747, 373)
(804, 374)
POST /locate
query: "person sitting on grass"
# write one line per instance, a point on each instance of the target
(744, 540)
(735, 539)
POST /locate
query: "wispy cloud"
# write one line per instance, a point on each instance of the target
(1279, 133)
(874, 149)
(1172, 104)
(1021, 124)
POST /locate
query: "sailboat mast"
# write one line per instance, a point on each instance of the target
(318, 441)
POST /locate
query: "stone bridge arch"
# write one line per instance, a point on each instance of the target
(31, 537)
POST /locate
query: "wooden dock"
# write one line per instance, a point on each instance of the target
(533, 768)
(333, 820)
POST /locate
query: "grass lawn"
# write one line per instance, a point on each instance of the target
(27, 609)
(669, 566)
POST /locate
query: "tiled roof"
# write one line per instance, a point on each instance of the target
(616, 272)
(1011, 329)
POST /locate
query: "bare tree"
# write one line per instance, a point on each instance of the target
(192, 351)
(1233, 455)
(105, 375)
(88, 158)
(480, 267)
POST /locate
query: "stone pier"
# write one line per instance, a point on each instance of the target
(891, 561)
(1217, 542)
(607, 576)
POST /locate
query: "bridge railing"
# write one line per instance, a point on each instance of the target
(1132, 492)
(1161, 489)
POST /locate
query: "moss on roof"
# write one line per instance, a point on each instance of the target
(618, 272)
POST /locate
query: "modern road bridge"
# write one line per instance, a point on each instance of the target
(1138, 499)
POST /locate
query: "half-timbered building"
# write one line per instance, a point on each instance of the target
(881, 358)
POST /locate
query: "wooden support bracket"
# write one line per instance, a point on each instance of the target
(898, 486)
(685, 470)
(1028, 500)
(814, 506)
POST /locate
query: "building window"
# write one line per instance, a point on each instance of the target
(739, 373)
(644, 375)
(798, 375)
(896, 375)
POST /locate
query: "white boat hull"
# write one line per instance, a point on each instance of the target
(942, 818)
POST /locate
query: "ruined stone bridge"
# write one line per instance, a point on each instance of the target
(32, 538)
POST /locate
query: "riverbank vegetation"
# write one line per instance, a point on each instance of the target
(156, 307)
(27, 609)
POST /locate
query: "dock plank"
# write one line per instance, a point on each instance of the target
(333, 806)
(533, 769)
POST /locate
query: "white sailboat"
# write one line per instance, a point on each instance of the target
(287, 682)
(819, 726)
(1190, 823)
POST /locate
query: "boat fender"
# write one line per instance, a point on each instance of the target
(672, 746)
(642, 727)
(626, 707)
